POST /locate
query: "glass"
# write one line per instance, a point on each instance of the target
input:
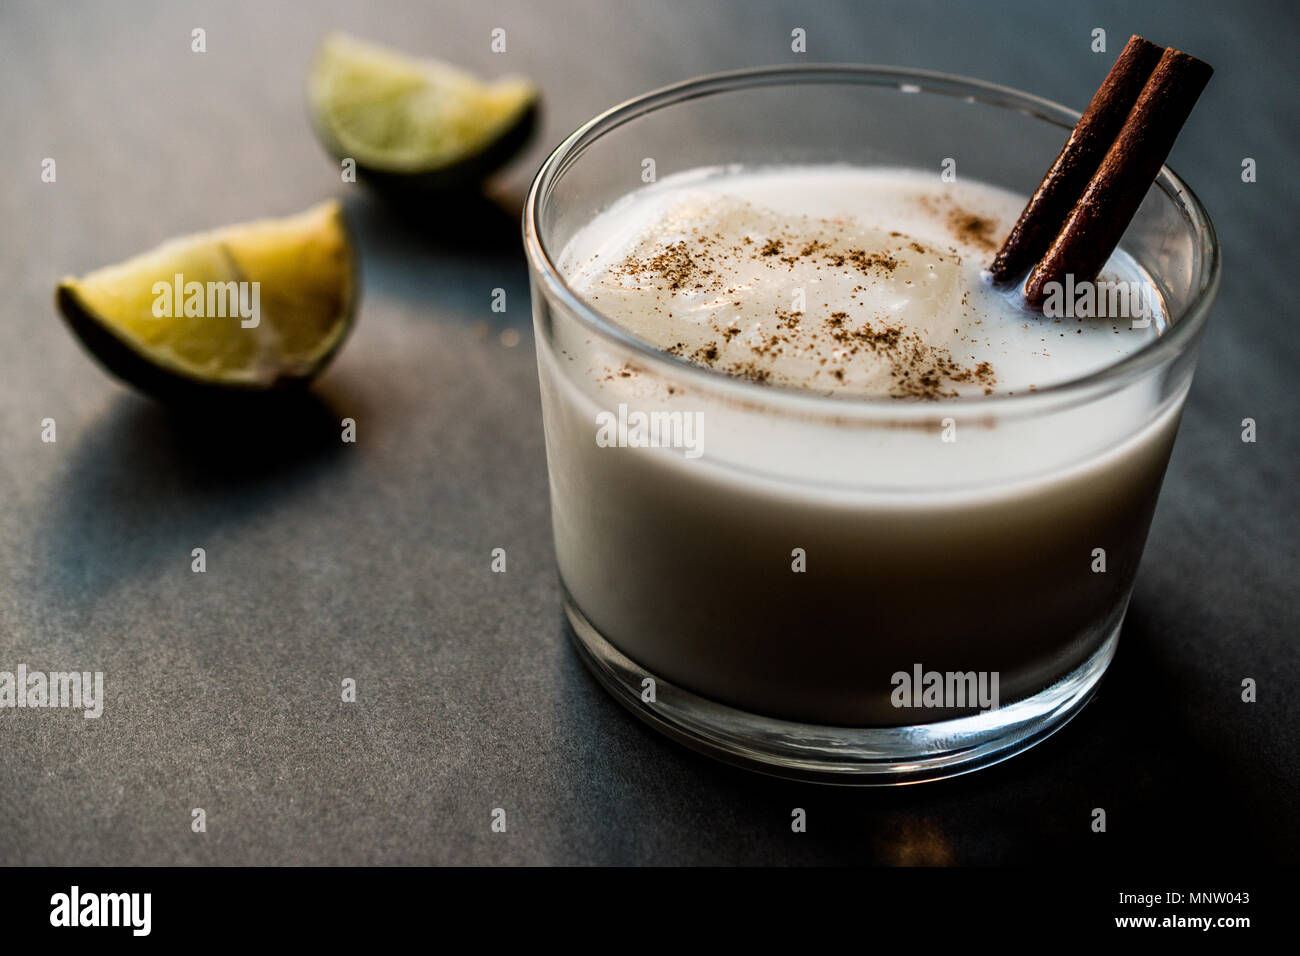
(922, 556)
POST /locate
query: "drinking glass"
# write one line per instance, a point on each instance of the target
(924, 549)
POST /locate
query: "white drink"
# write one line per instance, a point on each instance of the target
(964, 541)
(798, 277)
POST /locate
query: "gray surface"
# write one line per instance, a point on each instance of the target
(371, 561)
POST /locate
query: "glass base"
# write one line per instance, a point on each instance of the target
(856, 756)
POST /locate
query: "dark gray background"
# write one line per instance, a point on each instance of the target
(371, 560)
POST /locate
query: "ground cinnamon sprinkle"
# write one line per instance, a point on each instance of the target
(978, 230)
(750, 371)
(708, 354)
(677, 266)
(674, 264)
(917, 369)
(694, 265)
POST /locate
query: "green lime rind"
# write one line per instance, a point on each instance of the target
(104, 310)
(415, 123)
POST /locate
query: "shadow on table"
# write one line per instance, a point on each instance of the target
(446, 256)
(145, 484)
(459, 222)
(1171, 794)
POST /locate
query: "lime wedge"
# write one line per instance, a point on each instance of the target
(409, 122)
(248, 309)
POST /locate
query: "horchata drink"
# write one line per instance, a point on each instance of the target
(803, 598)
(843, 282)
(827, 501)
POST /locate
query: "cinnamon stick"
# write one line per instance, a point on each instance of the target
(1078, 160)
(1108, 204)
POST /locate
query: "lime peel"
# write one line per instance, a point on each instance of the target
(284, 291)
(395, 114)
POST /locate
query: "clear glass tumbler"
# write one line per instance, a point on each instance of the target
(780, 600)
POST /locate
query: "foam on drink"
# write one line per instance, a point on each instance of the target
(840, 280)
(974, 554)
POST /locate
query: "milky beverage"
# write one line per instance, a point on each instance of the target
(787, 559)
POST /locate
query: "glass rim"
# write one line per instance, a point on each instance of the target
(1184, 326)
